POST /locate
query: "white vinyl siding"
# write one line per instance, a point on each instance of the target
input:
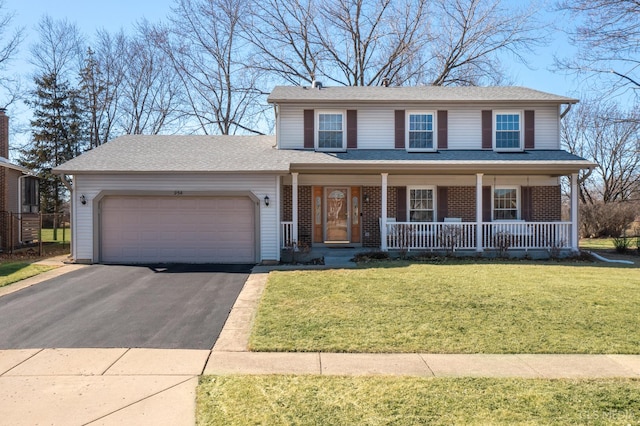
(291, 132)
(167, 184)
(376, 128)
(376, 125)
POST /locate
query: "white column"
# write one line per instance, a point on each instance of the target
(479, 212)
(574, 212)
(294, 206)
(383, 213)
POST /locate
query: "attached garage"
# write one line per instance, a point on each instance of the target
(177, 229)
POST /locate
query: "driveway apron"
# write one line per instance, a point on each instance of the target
(116, 306)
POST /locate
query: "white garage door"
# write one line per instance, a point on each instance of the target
(177, 229)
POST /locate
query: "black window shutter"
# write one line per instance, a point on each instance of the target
(443, 203)
(309, 128)
(486, 204)
(526, 192)
(352, 129)
(443, 130)
(529, 129)
(487, 129)
(399, 135)
(401, 204)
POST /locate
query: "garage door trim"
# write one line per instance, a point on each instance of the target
(97, 255)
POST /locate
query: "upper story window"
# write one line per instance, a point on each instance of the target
(330, 131)
(421, 205)
(505, 203)
(420, 131)
(508, 131)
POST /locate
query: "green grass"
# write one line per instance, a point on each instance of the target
(596, 243)
(321, 400)
(455, 307)
(64, 235)
(17, 271)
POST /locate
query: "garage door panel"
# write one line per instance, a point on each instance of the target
(177, 229)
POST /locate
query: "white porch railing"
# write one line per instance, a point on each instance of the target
(430, 235)
(462, 236)
(287, 234)
(526, 235)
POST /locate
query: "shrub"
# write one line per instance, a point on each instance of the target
(621, 244)
(606, 220)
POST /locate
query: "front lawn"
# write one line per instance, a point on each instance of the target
(17, 271)
(454, 307)
(322, 400)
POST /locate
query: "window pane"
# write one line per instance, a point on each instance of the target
(330, 130)
(505, 204)
(421, 131)
(421, 205)
(507, 130)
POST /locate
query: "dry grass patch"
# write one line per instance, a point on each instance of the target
(321, 400)
(510, 307)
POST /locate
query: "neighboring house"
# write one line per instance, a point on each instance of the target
(392, 168)
(18, 196)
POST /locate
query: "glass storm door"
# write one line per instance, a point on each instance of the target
(337, 215)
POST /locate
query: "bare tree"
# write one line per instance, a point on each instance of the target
(59, 49)
(594, 132)
(203, 43)
(470, 38)
(101, 80)
(607, 36)
(349, 42)
(150, 90)
(9, 43)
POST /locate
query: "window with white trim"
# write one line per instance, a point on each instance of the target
(508, 131)
(330, 131)
(421, 206)
(506, 203)
(420, 131)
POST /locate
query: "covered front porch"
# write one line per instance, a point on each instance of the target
(452, 213)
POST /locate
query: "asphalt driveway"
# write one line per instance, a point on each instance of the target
(113, 306)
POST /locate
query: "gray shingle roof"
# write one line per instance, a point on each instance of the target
(281, 94)
(257, 154)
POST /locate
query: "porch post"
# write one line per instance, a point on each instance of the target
(383, 213)
(294, 207)
(479, 248)
(574, 212)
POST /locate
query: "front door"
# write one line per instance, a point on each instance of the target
(337, 228)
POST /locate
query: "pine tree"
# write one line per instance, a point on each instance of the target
(58, 135)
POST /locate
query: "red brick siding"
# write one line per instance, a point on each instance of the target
(304, 211)
(305, 217)
(461, 202)
(371, 213)
(547, 204)
(286, 205)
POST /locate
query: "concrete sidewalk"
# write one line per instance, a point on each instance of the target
(156, 386)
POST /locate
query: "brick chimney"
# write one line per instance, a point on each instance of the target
(4, 133)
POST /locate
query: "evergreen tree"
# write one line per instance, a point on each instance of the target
(58, 135)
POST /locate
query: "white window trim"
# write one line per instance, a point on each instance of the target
(435, 201)
(317, 130)
(518, 202)
(407, 131)
(495, 129)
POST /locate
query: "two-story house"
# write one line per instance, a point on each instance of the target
(392, 168)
